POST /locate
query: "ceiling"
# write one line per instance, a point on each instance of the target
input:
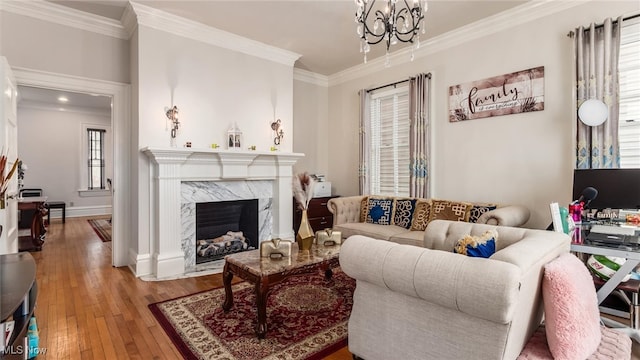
(45, 98)
(323, 32)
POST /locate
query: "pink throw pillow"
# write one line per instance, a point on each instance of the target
(571, 309)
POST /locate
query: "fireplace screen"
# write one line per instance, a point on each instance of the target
(225, 227)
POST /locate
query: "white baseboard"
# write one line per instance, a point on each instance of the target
(140, 264)
(79, 211)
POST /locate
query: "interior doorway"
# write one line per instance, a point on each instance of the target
(77, 128)
(121, 128)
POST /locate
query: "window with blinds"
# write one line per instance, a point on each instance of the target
(96, 158)
(389, 142)
(629, 70)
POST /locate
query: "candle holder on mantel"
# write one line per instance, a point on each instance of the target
(234, 138)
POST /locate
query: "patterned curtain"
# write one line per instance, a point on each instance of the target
(364, 142)
(597, 50)
(419, 88)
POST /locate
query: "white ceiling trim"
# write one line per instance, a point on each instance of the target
(177, 25)
(51, 12)
(38, 105)
(310, 77)
(513, 17)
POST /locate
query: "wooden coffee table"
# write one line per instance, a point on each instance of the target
(265, 272)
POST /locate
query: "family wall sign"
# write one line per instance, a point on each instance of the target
(514, 93)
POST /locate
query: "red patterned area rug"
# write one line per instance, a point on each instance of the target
(102, 227)
(306, 319)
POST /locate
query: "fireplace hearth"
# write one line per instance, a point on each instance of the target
(225, 227)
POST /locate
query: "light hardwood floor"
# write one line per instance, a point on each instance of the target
(87, 309)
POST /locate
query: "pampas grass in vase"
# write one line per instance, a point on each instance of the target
(303, 185)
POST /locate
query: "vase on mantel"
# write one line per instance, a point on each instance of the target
(305, 234)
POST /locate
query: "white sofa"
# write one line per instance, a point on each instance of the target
(347, 219)
(430, 303)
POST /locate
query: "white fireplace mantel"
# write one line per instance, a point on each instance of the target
(175, 165)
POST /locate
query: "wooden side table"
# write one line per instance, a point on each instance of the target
(318, 213)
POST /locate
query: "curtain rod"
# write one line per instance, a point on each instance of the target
(396, 83)
(572, 33)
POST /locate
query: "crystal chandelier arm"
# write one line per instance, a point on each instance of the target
(367, 32)
(411, 31)
(388, 24)
(411, 17)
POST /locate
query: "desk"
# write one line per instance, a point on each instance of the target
(630, 252)
(36, 238)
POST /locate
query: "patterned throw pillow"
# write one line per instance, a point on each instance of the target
(380, 211)
(364, 208)
(403, 212)
(479, 209)
(450, 210)
(421, 215)
(477, 246)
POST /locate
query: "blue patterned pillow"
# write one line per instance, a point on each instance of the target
(380, 211)
(403, 212)
(477, 210)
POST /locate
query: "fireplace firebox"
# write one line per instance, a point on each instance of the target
(225, 227)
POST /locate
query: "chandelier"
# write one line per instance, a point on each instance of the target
(397, 21)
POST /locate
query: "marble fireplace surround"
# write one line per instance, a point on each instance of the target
(181, 177)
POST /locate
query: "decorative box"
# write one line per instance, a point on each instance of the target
(328, 237)
(275, 247)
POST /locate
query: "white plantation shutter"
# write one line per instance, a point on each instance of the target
(629, 70)
(389, 142)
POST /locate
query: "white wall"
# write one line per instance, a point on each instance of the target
(212, 87)
(50, 143)
(525, 158)
(42, 45)
(310, 111)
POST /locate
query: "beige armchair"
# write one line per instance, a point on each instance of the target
(430, 303)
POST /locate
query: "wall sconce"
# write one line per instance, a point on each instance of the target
(172, 115)
(277, 131)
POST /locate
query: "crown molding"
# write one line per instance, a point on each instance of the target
(174, 24)
(518, 15)
(310, 77)
(129, 20)
(136, 14)
(39, 105)
(51, 12)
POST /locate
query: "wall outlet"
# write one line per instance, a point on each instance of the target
(70, 203)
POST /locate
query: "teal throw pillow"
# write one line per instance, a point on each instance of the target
(380, 211)
(403, 212)
(477, 246)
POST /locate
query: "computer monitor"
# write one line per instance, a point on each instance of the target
(617, 188)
